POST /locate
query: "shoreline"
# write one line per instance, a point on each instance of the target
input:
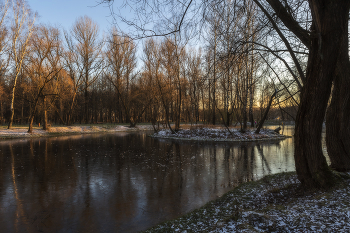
(219, 134)
(20, 132)
(282, 137)
(275, 203)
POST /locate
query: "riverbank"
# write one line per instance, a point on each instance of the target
(187, 132)
(22, 131)
(275, 203)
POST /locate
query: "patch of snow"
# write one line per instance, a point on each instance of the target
(218, 134)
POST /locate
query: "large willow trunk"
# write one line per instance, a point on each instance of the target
(337, 124)
(329, 30)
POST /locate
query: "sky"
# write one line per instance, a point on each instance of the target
(63, 13)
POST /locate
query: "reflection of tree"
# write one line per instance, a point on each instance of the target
(87, 215)
(178, 178)
(244, 160)
(227, 164)
(123, 198)
(163, 171)
(263, 159)
(248, 163)
(143, 180)
(41, 180)
(21, 216)
(242, 164)
(213, 168)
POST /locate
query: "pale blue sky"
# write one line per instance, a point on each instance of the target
(63, 13)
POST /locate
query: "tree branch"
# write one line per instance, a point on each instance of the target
(284, 39)
(290, 22)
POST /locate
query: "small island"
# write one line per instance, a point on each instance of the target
(220, 134)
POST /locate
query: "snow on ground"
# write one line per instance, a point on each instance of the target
(218, 134)
(273, 204)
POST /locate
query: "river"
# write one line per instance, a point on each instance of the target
(122, 182)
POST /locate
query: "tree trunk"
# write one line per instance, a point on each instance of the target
(337, 124)
(330, 27)
(70, 110)
(61, 111)
(265, 114)
(30, 128)
(1, 113)
(251, 103)
(86, 107)
(22, 111)
(31, 116)
(178, 109)
(11, 105)
(244, 114)
(45, 127)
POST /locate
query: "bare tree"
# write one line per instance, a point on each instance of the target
(3, 53)
(121, 60)
(153, 62)
(214, 21)
(87, 48)
(3, 32)
(173, 54)
(22, 27)
(43, 68)
(195, 75)
(75, 74)
(151, 70)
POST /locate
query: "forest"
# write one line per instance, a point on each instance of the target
(231, 73)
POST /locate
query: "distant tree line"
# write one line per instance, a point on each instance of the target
(78, 76)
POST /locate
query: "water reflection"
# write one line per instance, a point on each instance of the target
(123, 182)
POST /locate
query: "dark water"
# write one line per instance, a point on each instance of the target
(124, 182)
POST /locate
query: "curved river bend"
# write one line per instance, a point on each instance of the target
(123, 182)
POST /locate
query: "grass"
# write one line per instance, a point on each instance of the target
(18, 127)
(20, 131)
